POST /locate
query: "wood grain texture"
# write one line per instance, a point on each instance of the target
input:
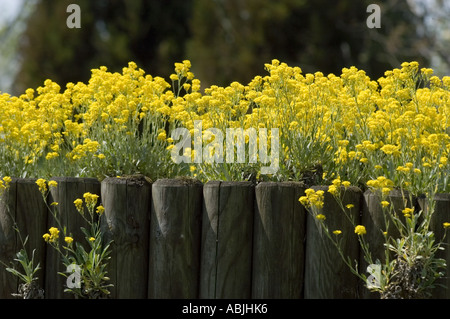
(440, 215)
(126, 222)
(326, 274)
(227, 240)
(278, 241)
(23, 204)
(175, 229)
(373, 218)
(8, 246)
(67, 191)
(31, 217)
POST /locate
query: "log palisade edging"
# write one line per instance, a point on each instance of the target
(179, 238)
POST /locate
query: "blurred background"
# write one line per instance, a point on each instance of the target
(226, 40)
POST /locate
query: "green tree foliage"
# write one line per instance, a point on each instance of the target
(226, 40)
(236, 37)
(112, 33)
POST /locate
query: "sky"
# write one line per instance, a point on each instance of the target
(9, 8)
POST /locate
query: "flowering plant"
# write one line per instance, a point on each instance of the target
(90, 264)
(28, 288)
(408, 266)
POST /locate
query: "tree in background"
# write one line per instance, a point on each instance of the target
(226, 40)
(112, 33)
(236, 37)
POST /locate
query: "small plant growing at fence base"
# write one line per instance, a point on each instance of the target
(89, 262)
(28, 288)
(410, 267)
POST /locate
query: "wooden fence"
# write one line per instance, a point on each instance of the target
(181, 239)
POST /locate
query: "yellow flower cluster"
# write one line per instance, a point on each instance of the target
(312, 198)
(52, 236)
(382, 184)
(345, 125)
(360, 230)
(42, 183)
(4, 184)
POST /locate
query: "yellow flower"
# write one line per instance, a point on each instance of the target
(346, 184)
(162, 136)
(407, 211)
(303, 200)
(100, 209)
(52, 236)
(54, 231)
(68, 240)
(78, 203)
(360, 230)
(384, 203)
(92, 239)
(320, 217)
(52, 183)
(7, 180)
(337, 232)
(332, 189)
(42, 185)
(349, 206)
(446, 225)
(91, 199)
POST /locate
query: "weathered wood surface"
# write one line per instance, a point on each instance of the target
(126, 223)
(22, 205)
(326, 274)
(31, 217)
(227, 233)
(441, 214)
(374, 219)
(67, 191)
(175, 229)
(278, 241)
(8, 246)
(181, 239)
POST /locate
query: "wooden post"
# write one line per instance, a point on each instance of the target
(227, 233)
(67, 191)
(31, 217)
(22, 203)
(8, 247)
(175, 228)
(441, 215)
(326, 274)
(278, 241)
(127, 203)
(373, 218)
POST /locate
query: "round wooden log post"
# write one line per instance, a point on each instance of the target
(373, 219)
(67, 191)
(23, 203)
(127, 202)
(175, 229)
(326, 274)
(8, 247)
(278, 241)
(227, 233)
(441, 215)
